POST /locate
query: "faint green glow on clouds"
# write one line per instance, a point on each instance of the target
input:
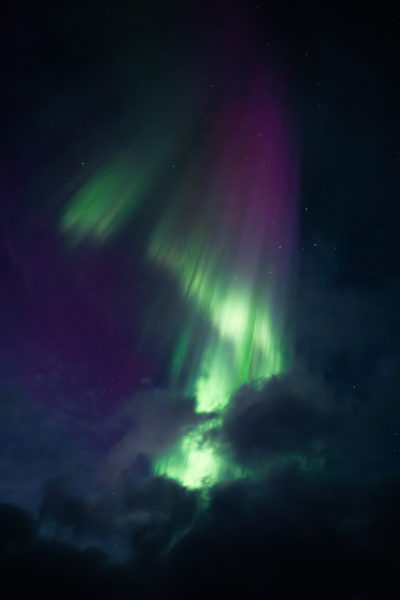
(196, 461)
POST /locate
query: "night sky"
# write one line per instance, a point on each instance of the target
(199, 292)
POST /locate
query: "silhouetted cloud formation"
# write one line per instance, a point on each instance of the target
(276, 420)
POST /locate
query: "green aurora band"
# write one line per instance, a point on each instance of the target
(228, 248)
(241, 347)
(103, 203)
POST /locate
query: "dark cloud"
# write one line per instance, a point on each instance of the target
(141, 519)
(29, 562)
(63, 512)
(293, 535)
(276, 419)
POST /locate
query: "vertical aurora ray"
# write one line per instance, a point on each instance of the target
(227, 239)
(107, 199)
(111, 195)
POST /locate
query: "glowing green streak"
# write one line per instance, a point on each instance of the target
(241, 346)
(244, 346)
(102, 204)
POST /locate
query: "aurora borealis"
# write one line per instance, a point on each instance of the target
(199, 291)
(228, 240)
(226, 237)
(100, 204)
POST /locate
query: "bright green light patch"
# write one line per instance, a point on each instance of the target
(192, 461)
(102, 204)
(196, 462)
